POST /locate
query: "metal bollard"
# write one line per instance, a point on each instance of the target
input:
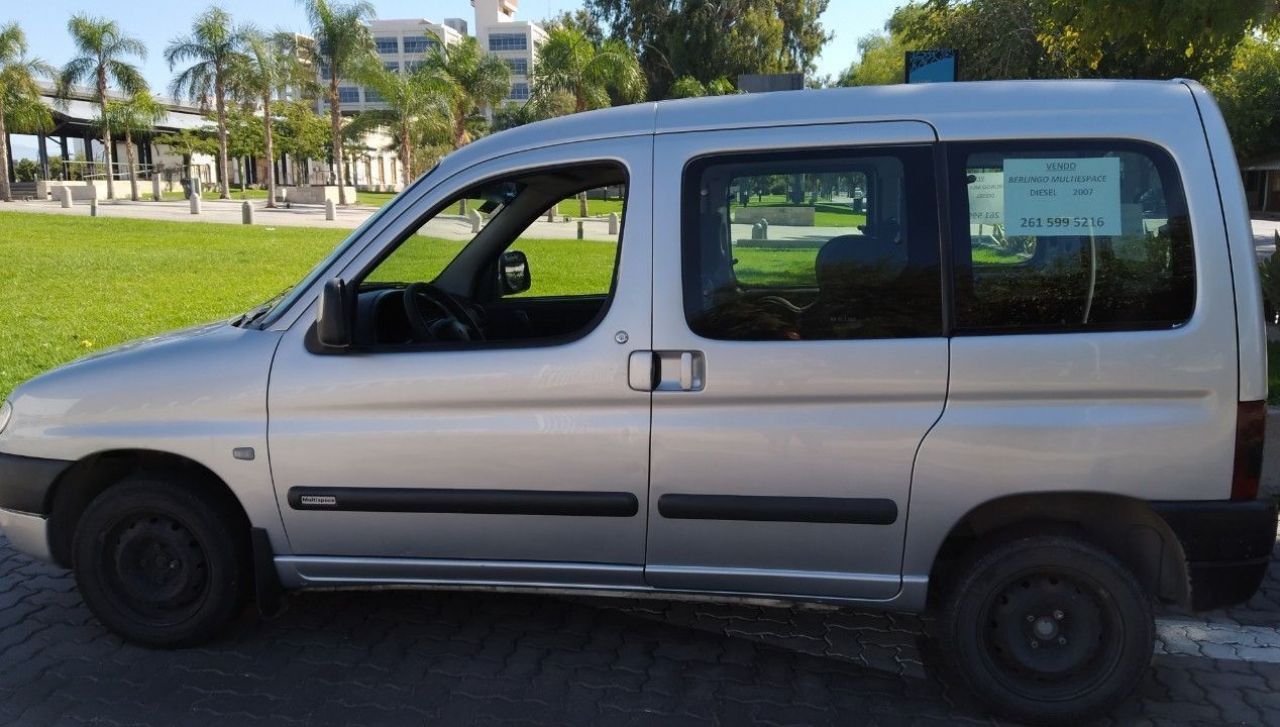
(330, 210)
(474, 218)
(581, 223)
(195, 204)
(551, 213)
(613, 223)
(155, 189)
(65, 194)
(246, 213)
(93, 206)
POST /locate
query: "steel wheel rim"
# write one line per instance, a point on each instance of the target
(1051, 634)
(156, 570)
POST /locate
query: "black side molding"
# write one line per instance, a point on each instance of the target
(848, 510)
(475, 502)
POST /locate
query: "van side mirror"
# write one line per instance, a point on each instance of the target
(513, 272)
(333, 320)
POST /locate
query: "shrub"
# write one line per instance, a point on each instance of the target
(1269, 271)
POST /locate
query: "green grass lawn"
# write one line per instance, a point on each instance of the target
(71, 285)
(557, 267)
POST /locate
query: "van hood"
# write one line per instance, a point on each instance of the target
(199, 378)
(150, 342)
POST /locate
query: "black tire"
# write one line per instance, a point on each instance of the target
(1046, 629)
(160, 564)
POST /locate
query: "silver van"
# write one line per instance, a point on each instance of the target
(994, 350)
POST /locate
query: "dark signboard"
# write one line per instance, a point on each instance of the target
(931, 66)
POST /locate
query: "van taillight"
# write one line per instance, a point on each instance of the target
(1251, 428)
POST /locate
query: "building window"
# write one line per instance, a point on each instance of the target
(1057, 237)
(392, 66)
(804, 246)
(348, 94)
(324, 71)
(508, 41)
(372, 96)
(414, 66)
(519, 66)
(519, 92)
(420, 45)
(388, 46)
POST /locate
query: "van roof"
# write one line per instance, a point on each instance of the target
(944, 105)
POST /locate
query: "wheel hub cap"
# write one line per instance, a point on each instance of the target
(158, 564)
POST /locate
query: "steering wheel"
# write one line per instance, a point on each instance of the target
(457, 323)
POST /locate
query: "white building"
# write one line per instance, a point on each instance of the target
(402, 46)
(514, 41)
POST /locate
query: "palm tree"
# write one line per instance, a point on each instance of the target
(474, 80)
(344, 42)
(418, 106)
(140, 112)
(266, 70)
(102, 48)
(570, 63)
(20, 105)
(215, 46)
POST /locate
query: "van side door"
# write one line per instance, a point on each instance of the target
(799, 356)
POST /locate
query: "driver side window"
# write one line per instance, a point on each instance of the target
(528, 258)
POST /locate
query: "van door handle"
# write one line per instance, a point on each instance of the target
(642, 370)
(680, 370)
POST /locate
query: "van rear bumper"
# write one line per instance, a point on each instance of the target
(1228, 546)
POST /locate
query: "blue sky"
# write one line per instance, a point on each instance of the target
(156, 22)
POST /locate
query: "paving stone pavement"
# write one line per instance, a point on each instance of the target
(446, 658)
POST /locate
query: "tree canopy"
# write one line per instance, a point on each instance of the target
(20, 106)
(214, 48)
(103, 49)
(569, 61)
(711, 39)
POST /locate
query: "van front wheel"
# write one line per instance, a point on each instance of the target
(158, 563)
(1047, 629)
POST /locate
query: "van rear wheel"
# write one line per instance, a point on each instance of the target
(159, 564)
(1047, 629)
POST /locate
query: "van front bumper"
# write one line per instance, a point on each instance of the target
(1228, 547)
(25, 482)
(26, 532)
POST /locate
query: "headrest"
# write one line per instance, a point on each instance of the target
(854, 253)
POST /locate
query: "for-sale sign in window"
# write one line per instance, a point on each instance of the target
(1062, 197)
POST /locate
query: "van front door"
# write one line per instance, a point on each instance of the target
(799, 356)
(429, 452)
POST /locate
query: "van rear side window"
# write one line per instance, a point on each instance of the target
(1060, 237)
(828, 245)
